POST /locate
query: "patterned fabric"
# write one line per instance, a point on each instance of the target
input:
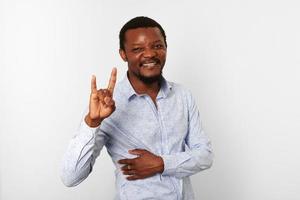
(172, 130)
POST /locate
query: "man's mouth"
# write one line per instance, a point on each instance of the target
(151, 63)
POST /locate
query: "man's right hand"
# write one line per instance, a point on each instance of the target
(101, 104)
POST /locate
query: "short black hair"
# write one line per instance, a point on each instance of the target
(139, 22)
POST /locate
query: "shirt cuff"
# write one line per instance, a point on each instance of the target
(87, 130)
(173, 162)
(169, 164)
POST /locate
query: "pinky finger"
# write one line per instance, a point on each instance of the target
(133, 177)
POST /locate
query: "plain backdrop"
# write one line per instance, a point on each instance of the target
(240, 58)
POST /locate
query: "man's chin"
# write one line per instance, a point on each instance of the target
(151, 79)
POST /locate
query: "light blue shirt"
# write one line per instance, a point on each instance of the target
(171, 130)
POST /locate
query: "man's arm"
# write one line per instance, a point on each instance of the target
(198, 154)
(86, 145)
(81, 153)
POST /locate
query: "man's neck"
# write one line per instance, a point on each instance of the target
(140, 87)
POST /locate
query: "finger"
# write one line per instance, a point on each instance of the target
(93, 84)
(126, 168)
(112, 80)
(101, 95)
(126, 161)
(113, 107)
(130, 172)
(109, 101)
(137, 151)
(94, 96)
(106, 92)
(133, 177)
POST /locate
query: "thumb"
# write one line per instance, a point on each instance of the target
(136, 151)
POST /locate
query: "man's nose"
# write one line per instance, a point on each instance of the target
(149, 53)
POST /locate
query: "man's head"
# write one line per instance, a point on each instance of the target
(139, 22)
(143, 46)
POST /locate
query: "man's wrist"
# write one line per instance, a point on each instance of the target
(92, 123)
(161, 165)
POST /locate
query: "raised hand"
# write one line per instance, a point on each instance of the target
(101, 104)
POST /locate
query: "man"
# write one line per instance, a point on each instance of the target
(150, 127)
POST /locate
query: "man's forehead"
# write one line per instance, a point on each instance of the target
(133, 34)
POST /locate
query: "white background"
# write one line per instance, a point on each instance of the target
(240, 58)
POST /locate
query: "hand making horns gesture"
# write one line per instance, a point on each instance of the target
(101, 104)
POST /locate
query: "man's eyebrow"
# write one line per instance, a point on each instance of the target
(136, 44)
(157, 41)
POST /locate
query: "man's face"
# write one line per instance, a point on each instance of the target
(145, 52)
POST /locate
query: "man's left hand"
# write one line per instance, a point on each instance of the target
(145, 165)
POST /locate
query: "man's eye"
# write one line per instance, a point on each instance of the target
(158, 46)
(138, 49)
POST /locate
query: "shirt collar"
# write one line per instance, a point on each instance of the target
(129, 92)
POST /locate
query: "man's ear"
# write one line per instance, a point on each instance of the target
(123, 54)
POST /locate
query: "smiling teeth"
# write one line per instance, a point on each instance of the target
(149, 64)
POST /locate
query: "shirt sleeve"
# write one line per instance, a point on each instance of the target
(81, 153)
(198, 154)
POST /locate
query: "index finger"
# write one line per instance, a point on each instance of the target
(112, 80)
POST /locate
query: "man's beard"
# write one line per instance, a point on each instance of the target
(150, 80)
